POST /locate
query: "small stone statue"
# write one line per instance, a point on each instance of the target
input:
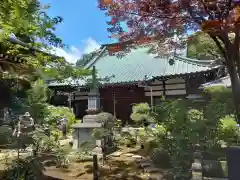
(24, 125)
(62, 126)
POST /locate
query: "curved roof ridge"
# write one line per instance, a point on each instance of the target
(93, 61)
(205, 63)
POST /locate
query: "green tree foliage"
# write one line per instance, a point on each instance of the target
(229, 131)
(28, 21)
(182, 124)
(86, 58)
(58, 112)
(221, 102)
(201, 46)
(36, 100)
(141, 113)
(107, 120)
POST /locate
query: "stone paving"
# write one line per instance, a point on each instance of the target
(117, 154)
(206, 178)
(12, 154)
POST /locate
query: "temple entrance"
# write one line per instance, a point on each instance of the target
(60, 100)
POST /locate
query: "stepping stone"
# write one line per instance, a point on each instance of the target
(139, 161)
(205, 178)
(197, 176)
(145, 164)
(117, 154)
(151, 169)
(2, 156)
(137, 157)
(119, 175)
(129, 154)
(155, 176)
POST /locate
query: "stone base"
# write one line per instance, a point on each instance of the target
(75, 144)
(90, 118)
(83, 131)
(97, 150)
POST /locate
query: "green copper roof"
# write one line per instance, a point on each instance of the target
(139, 64)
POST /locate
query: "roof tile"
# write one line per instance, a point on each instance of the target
(139, 64)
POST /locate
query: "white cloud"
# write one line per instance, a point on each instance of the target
(90, 45)
(72, 54)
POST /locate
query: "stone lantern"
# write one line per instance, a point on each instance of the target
(83, 131)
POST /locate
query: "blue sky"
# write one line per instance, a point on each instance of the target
(84, 27)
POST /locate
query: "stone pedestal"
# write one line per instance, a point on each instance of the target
(233, 162)
(83, 131)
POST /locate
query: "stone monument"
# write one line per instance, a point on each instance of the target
(83, 131)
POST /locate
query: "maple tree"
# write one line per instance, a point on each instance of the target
(170, 20)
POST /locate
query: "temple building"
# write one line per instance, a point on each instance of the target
(137, 77)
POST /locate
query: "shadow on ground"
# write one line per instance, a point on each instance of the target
(160, 161)
(118, 170)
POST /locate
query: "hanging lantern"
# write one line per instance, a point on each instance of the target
(171, 62)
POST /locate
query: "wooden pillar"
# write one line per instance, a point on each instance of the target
(95, 167)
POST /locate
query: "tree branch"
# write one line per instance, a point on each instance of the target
(228, 7)
(206, 9)
(236, 47)
(189, 9)
(212, 53)
(157, 16)
(221, 48)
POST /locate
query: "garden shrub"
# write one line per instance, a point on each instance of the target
(161, 158)
(43, 142)
(228, 130)
(220, 105)
(106, 118)
(183, 130)
(36, 100)
(184, 124)
(108, 122)
(216, 169)
(56, 134)
(117, 126)
(127, 139)
(6, 135)
(57, 112)
(141, 114)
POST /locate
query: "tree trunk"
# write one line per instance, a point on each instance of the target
(230, 52)
(235, 81)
